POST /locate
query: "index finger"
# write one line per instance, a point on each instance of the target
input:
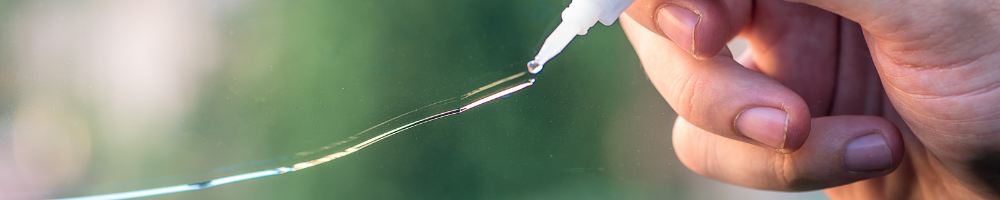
(719, 94)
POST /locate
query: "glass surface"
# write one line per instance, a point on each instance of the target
(104, 96)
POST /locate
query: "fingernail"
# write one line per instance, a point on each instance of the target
(765, 125)
(868, 153)
(679, 25)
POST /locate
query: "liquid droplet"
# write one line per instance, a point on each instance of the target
(534, 67)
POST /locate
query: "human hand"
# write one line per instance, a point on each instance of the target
(806, 109)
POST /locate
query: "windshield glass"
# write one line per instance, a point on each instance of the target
(112, 96)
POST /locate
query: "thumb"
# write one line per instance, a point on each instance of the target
(700, 27)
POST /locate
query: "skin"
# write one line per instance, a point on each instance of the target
(922, 74)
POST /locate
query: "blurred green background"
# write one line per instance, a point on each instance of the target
(105, 96)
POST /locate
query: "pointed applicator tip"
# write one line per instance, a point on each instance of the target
(534, 67)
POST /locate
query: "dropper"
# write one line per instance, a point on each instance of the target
(577, 18)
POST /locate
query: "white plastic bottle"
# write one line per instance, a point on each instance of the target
(577, 18)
